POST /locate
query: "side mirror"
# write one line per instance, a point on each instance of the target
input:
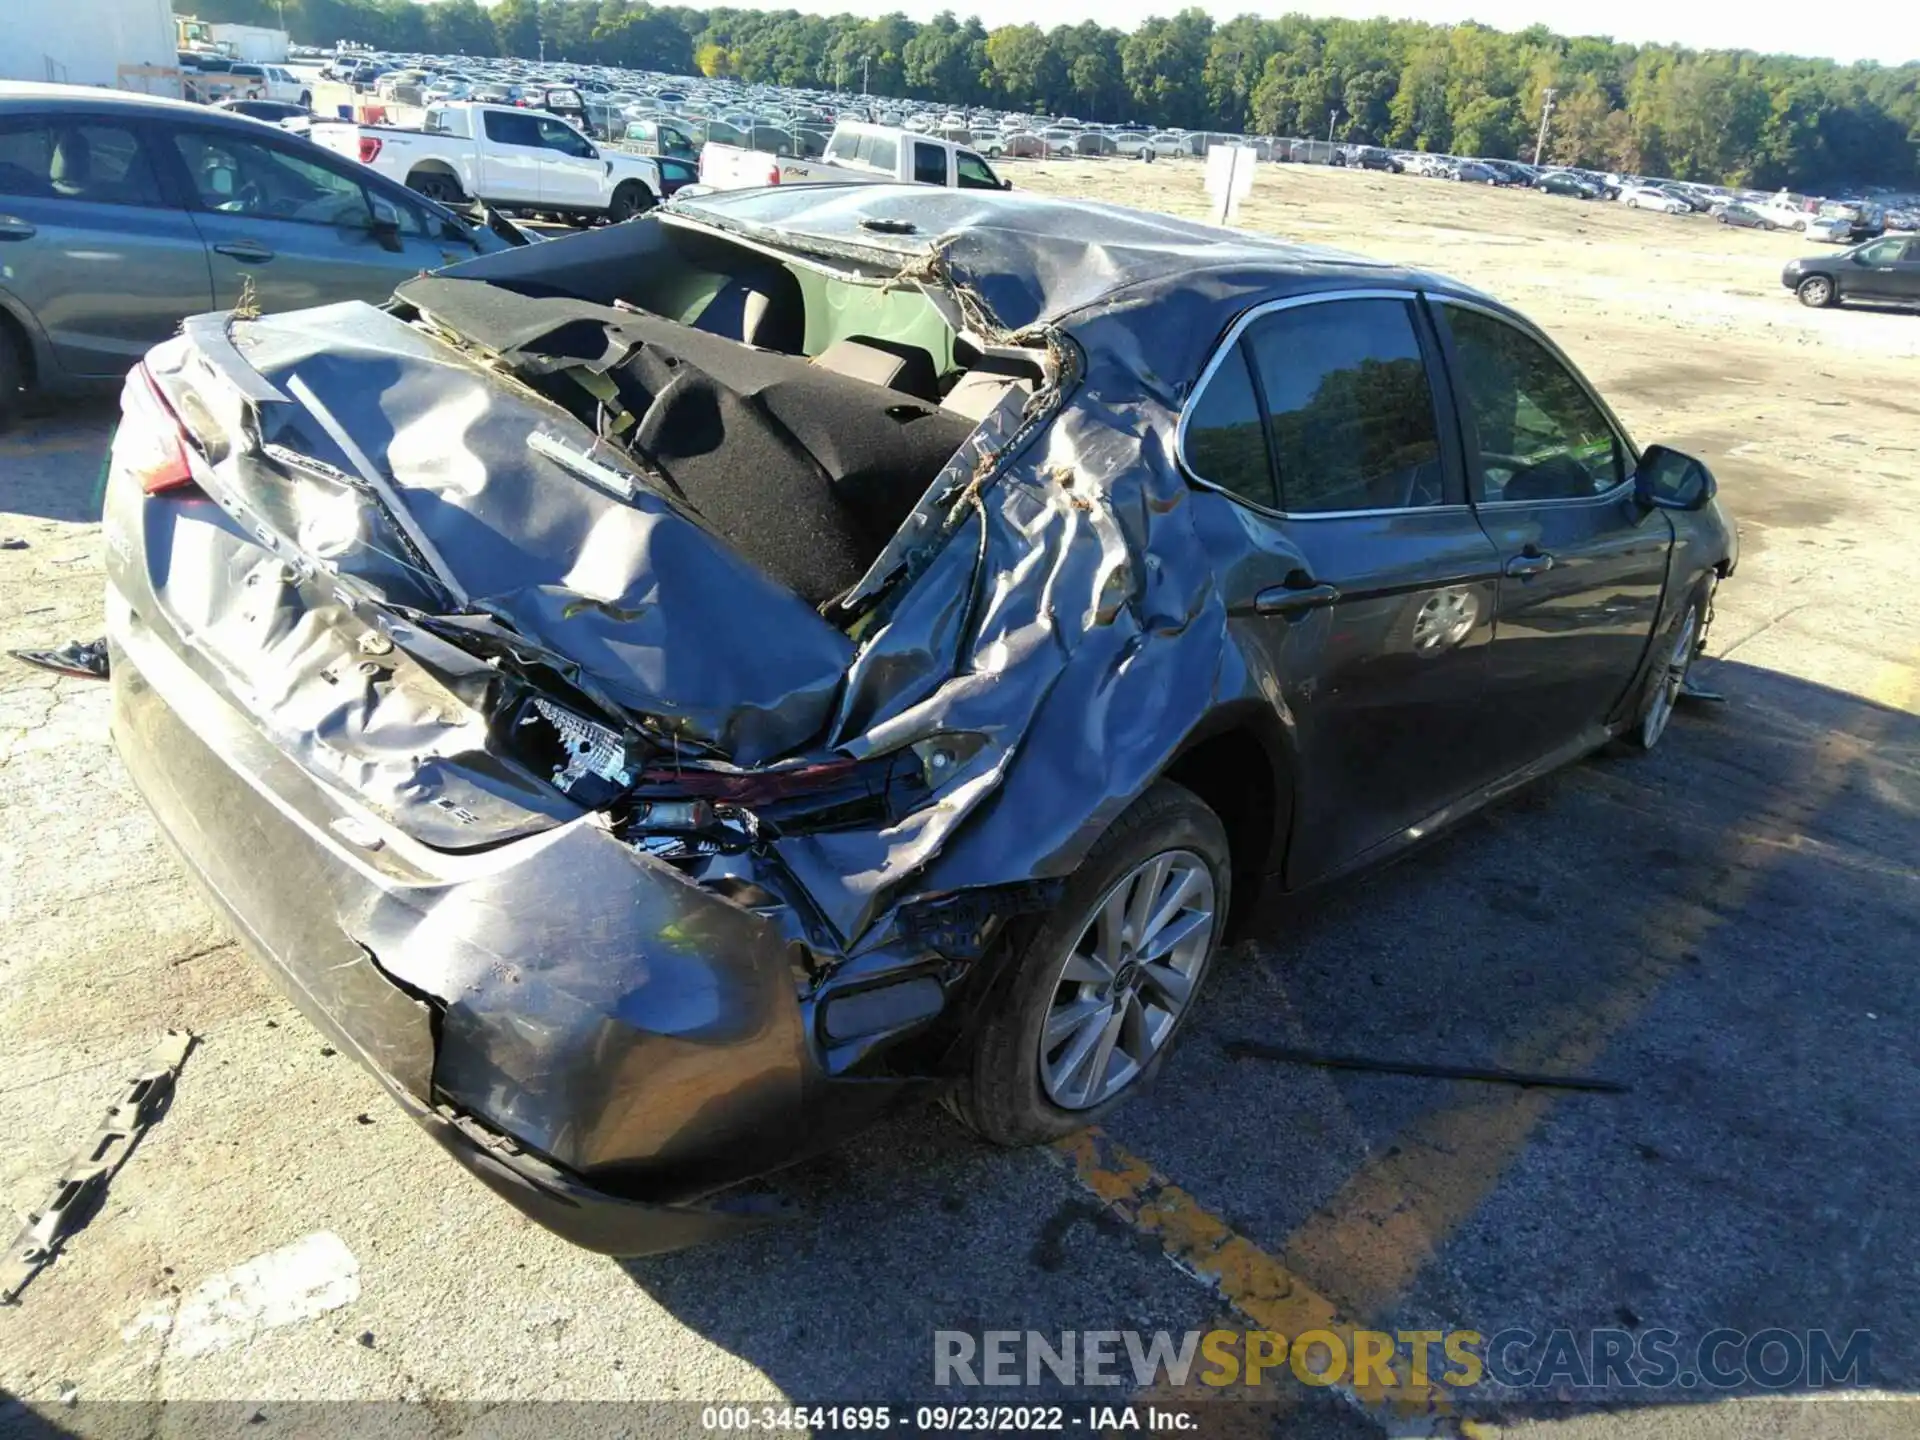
(1668, 480)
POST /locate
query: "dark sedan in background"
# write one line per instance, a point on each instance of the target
(121, 215)
(1565, 182)
(657, 749)
(1886, 270)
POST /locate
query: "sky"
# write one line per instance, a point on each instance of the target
(1888, 32)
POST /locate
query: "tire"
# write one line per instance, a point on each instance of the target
(630, 198)
(437, 185)
(1674, 656)
(1816, 292)
(14, 374)
(1168, 839)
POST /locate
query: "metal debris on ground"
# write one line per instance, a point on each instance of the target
(87, 660)
(1692, 689)
(1260, 1050)
(87, 1173)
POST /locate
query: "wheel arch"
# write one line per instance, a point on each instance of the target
(436, 166)
(1240, 761)
(29, 342)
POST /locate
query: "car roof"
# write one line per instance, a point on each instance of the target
(1036, 258)
(30, 98)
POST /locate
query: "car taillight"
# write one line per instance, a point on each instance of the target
(151, 443)
(370, 148)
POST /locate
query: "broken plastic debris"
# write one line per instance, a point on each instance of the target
(87, 660)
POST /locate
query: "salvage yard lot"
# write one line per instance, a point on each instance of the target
(1727, 927)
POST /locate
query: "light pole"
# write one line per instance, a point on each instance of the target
(865, 62)
(1332, 115)
(1540, 140)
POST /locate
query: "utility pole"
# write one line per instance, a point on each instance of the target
(865, 62)
(1332, 115)
(1546, 109)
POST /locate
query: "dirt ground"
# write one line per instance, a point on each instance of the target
(1728, 925)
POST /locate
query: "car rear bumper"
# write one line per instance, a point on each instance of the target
(603, 1044)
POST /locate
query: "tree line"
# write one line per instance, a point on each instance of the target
(1731, 117)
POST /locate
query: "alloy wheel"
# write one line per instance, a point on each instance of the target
(1127, 980)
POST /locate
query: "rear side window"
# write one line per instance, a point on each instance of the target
(504, 127)
(929, 164)
(1224, 442)
(76, 160)
(1348, 407)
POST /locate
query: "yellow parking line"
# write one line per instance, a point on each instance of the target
(1264, 1293)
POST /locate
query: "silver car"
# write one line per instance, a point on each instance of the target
(121, 215)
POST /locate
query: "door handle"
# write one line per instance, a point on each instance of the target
(1525, 567)
(12, 227)
(1294, 600)
(249, 250)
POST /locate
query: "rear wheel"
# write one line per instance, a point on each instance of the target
(1097, 990)
(1816, 291)
(630, 198)
(436, 185)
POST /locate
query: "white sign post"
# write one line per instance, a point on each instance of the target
(1229, 179)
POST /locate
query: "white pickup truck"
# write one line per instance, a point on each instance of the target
(857, 152)
(506, 156)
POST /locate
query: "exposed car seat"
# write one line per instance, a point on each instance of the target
(71, 165)
(763, 308)
(892, 363)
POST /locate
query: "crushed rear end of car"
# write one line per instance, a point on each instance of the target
(629, 737)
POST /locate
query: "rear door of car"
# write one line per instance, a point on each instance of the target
(94, 242)
(512, 156)
(1349, 560)
(1583, 565)
(289, 225)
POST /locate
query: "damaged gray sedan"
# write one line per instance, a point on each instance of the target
(661, 697)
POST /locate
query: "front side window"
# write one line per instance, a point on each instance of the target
(1882, 252)
(929, 164)
(973, 173)
(558, 135)
(881, 152)
(76, 160)
(237, 175)
(1348, 407)
(1536, 431)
